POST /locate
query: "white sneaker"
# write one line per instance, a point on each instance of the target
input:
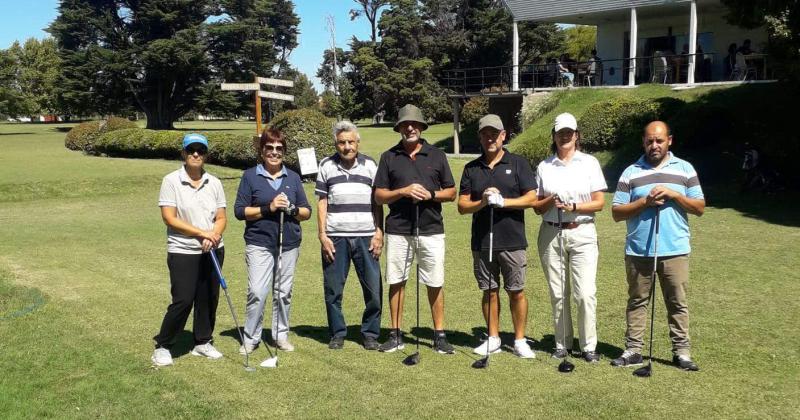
(247, 348)
(206, 350)
(285, 345)
(492, 343)
(161, 357)
(523, 350)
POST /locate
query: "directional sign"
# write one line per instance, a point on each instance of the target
(240, 86)
(273, 95)
(275, 82)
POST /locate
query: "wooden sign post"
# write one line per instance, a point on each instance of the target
(255, 87)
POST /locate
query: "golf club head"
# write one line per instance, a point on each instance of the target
(272, 362)
(566, 366)
(412, 359)
(644, 371)
(482, 363)
(249, 369)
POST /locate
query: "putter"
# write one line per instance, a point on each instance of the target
(273, 360)
(413, 359)
(565, 366)
(484, 362)
(647, 371)
(224, 286)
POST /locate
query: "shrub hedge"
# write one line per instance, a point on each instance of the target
(475, 108)
(83, 136)
(608, 124)
(225, 149)
(302, 128)
(305, 128)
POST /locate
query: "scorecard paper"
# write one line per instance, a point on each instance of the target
(308, 161)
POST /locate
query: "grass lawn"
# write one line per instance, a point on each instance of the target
(84, 286)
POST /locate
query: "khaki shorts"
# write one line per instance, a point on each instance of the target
(511, 263)
(401, 252)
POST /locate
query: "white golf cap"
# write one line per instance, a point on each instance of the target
(565, 120)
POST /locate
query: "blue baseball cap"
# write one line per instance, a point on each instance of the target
(193, 138)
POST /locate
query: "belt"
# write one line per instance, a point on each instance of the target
(568, 225)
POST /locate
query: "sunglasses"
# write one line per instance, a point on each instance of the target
(273, 149)
(200, 150)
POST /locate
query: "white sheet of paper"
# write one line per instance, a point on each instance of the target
(308, 161)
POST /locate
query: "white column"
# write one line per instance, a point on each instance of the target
(515, 70)
(692, 42)
(634, 35)
(456, 126)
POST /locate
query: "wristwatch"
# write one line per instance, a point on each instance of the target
(433, 195)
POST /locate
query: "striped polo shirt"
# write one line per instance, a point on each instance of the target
(636, 182)
(349, 194)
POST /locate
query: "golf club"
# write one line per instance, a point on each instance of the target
(484, 362)
(272, 361)
(565, 366)
(647, 371)
(413, 359)
(224, 286)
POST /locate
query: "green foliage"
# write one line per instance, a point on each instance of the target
(580, 41)
(84, 135)
(606, 125)
(304, 128)
(157, 55)
(343, 105)
(369, 9)
(35, 70)
(475, 108)
(233, 150)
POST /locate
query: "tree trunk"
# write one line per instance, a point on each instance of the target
(159, 120)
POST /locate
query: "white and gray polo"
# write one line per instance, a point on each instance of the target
(349, 194)
(198, 207)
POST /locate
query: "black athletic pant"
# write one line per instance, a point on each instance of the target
(193, 283)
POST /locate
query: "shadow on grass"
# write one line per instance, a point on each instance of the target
(548, 344)
(21, 133)
(776, 208)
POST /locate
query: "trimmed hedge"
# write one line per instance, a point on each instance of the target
(83, 136)
(607, 125)
(475, 108)
(304, 128)
(225, 149)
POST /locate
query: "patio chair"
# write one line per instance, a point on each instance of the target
(660, 72)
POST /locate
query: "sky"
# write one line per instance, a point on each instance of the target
(23, 20)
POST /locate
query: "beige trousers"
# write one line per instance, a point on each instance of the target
(580, 273)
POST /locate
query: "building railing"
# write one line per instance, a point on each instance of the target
(657, 68)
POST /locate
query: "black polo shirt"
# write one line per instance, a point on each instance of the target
(513, 177)
(429, 168)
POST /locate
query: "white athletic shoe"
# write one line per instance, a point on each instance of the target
(161, 357)
(285, 345)
(523, 350)
(491, 343)
(206, 350)
(247, 348)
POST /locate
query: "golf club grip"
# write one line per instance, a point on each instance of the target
(215, 263)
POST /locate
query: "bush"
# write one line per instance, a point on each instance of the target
(606, 125)
(535, 150)
(304, 128)
(83, 136)
(475, 108)
(231, 150)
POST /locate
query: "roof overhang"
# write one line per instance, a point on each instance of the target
(598, 12)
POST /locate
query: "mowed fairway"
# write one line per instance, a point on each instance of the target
(84, 286)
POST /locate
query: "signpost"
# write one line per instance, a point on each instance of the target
(255, 87)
